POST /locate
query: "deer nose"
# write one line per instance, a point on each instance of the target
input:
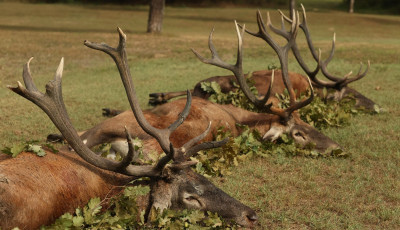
(252, 218)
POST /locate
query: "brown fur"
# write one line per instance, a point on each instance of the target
(262, 79)
(201, 113)
(34, 190)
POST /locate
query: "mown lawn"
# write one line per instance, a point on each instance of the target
(360, 192)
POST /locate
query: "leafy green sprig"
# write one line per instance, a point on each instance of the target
(29, 146)
(123, 213)
(219, 162)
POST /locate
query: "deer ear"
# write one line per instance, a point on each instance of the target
(173, 168)
(167, 173)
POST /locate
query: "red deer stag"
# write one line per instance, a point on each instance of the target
(337, 88)
(270, 124)
(34, 191)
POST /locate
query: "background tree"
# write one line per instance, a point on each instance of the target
(351, 8)
(292, 6)
(156, 15)
(374, 6)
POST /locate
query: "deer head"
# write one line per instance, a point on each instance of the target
(173, 185)
(285, 120)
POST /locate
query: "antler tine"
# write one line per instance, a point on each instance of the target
(236, 69)
(132, 154)
(120, 57)
(337, 82)
(324, 64)
(282, 53)
(193, 141)
(215, 59)
(188, 149)
(53, 105)
(282, 32)
(340, 82)
(26, 75)
(204, 146)
(359, 74)
(313, 76)
(303, 25)
(302, 103)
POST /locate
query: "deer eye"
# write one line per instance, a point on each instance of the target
(190, 198)
(192, 201)
(298, 134)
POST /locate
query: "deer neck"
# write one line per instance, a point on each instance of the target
(258, 121)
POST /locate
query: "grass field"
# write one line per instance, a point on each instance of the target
(360, 192)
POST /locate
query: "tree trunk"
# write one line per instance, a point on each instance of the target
(156, 14)
(351, 8)
(292, 6)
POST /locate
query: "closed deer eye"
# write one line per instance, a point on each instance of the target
(192, 201)
(190, 198)
(299, 134)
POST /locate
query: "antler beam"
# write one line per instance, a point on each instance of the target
(53, 105)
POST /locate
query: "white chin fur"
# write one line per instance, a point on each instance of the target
(273, 134)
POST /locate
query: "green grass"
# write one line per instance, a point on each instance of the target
(298, 193)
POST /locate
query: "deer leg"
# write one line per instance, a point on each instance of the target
(107, 112)
(162, 98)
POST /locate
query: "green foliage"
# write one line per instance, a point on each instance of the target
(124, 213)
(187, 219)
(219, 162)
(319, 113)
(29, 146)
(322, 113)
(235, 97)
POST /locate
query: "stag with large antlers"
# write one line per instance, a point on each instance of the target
(173, 185)
(271, 123)
(337, 87)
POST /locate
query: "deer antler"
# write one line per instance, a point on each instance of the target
(162, 135)
(337, 82)
(52, 104)
(119, 56)
(237, 69)
(282, 52)
(341, 82)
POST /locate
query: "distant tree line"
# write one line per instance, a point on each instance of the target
(392, 6)
(176, 2)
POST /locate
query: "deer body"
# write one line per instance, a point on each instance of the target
(57, 183)
(262, 79)
(34, 191)
(202, 112)
(339, 85)
(271, 124)
(173, 185)
(111, 130)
